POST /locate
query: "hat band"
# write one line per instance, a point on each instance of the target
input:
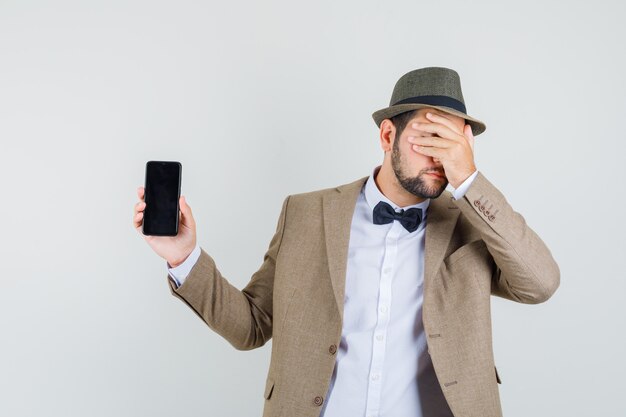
(435, 101)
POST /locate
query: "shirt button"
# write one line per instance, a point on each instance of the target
(318, 400)
(387, 270)
(383, 309)
(380, 337)
(375, 377)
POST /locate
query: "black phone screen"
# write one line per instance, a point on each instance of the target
(162, 194)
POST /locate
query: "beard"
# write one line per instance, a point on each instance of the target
(416, 185)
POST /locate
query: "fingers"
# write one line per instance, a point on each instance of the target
(430, 141)
(138, 214)
(444, 121)
(465, 134)
(442, 131)
(441, 154)
(138, 209)
(138, 220)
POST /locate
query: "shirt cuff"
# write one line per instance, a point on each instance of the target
(458, 193)
(179, 273)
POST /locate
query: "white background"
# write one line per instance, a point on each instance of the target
(259, 100)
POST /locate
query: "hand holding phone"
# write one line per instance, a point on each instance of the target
(162, 216)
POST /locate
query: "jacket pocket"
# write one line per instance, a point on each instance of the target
(476, 247)
(497, 376)
(269, 387)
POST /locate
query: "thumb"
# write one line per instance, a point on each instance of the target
(185, 210)
(469, 135)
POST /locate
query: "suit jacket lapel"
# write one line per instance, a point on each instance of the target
(442, 214)
(338, 210)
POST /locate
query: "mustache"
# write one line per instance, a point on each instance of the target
(433, 171)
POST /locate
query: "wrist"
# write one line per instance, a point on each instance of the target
(458, 181)
(176, 263)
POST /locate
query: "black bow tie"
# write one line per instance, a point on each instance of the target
(410, 219)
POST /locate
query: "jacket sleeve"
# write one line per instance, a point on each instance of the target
(242, 317)
(525, 270)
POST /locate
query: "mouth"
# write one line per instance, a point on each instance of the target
(435, 174)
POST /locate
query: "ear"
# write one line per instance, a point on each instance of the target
(387, 135)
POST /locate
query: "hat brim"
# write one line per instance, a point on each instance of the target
(478, 127)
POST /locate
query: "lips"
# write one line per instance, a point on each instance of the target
(436, 174)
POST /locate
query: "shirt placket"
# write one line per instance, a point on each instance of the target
(383, 315)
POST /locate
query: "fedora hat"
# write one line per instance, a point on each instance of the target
(436, 87)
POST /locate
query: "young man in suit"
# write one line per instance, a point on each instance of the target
(377, 292)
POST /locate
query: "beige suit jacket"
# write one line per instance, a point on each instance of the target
(475, 247)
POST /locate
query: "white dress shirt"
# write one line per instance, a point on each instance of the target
(382, 367)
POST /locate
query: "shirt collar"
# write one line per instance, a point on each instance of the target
(373, 195)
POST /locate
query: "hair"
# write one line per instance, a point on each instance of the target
(401, 120)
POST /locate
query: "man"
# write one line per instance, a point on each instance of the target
(377, 292)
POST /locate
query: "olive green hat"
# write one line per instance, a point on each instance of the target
(435, 87)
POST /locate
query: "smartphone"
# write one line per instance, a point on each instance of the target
(162, 194)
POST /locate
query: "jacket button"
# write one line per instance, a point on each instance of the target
(318, 400)
(492, 217)
(482, 208)
(477, 203)
(332, 349)
(487, 212)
